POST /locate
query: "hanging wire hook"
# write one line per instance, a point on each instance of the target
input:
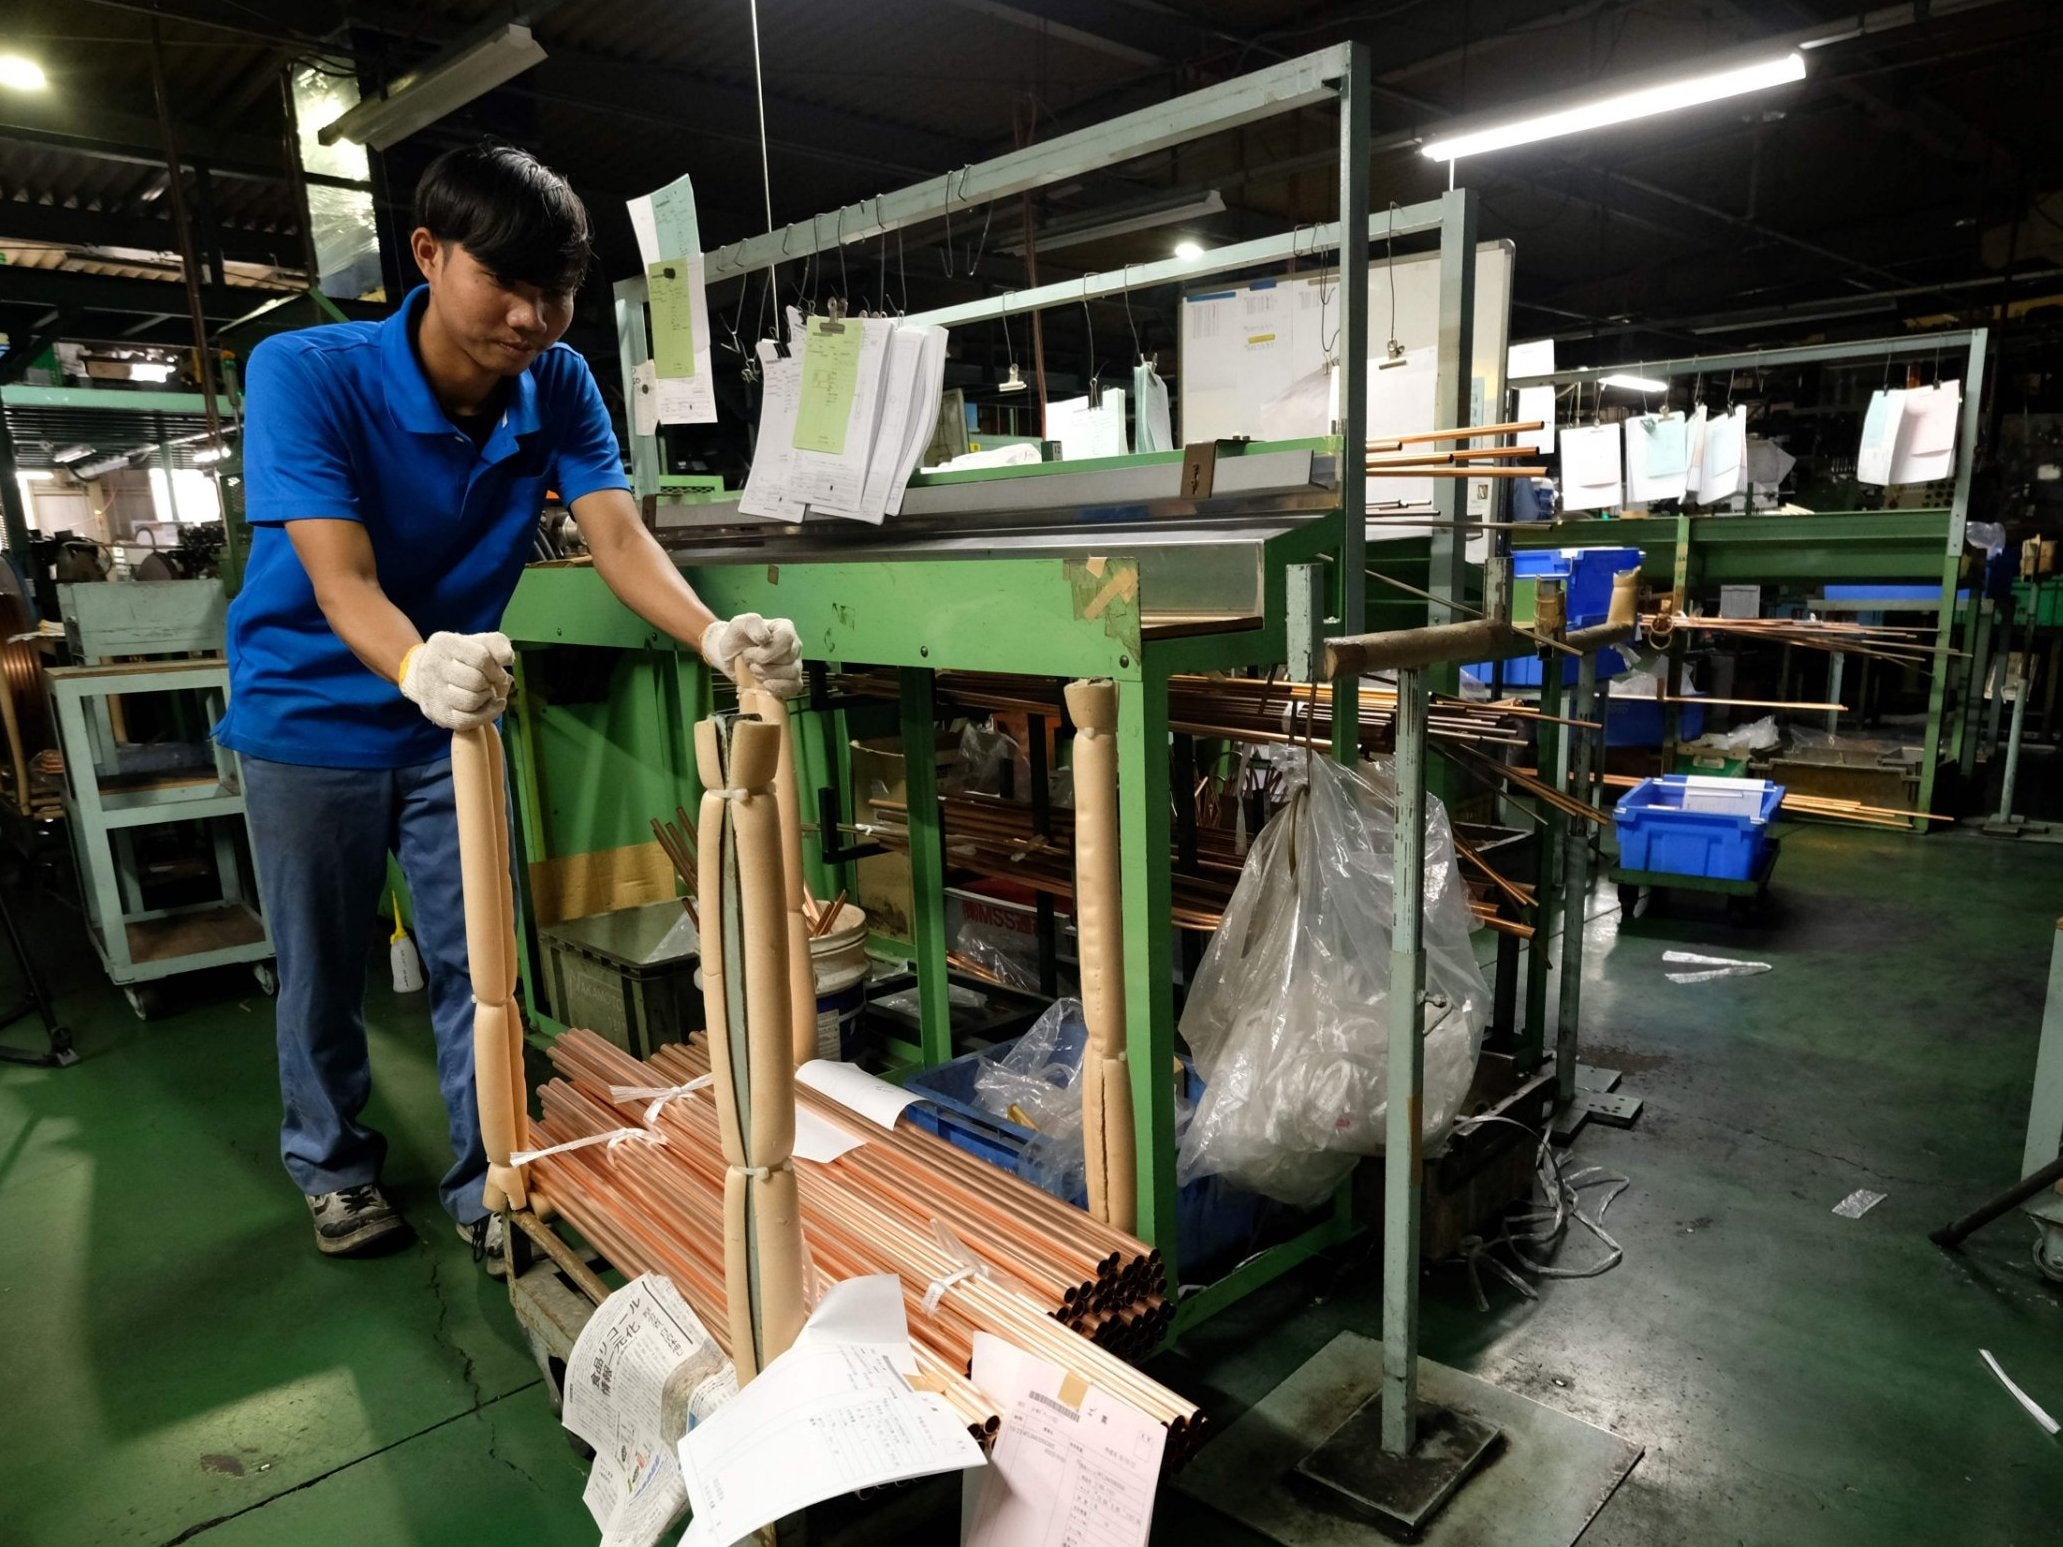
(981, 247)
(945, 259)
(1089, 322)
(1125, 280)
(844, 283)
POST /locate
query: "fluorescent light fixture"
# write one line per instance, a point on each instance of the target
(86, 472)
(77, 452)
(1188, 251)
(1633, 383)
(1622, 107)
(1175, 209)
(446, 82)
(21, 74)
(150, 370)
(209, 454)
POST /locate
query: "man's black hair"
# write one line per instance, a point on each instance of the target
(515, 215)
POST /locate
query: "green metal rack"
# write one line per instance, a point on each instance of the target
(1916, 545)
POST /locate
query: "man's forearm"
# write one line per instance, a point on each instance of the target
(648, 582)
(377, 631)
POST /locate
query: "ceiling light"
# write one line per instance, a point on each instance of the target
(207, 455)
(77, 452)
(1188, 251)
(21, 74)
(1634, 383)
(1621, 107)
(150, 370)
(446, 82)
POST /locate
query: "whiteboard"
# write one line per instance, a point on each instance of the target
(1244, 346)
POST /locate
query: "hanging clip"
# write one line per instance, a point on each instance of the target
(833, 320)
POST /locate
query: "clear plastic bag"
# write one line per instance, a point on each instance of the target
(986, 762)
(1034, 1084)
(1288, 1019)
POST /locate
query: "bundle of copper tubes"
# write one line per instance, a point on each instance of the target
(976, 1249)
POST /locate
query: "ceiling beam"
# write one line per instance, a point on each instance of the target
(24, 221)
(83, 293)
(111, 136)
(1089, 24)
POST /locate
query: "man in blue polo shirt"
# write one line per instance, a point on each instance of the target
(394, 475)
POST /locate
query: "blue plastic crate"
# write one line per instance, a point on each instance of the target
(1216, 1225)
(1523, 671)
(1640, 722)
(1586, 575)
(1690, 825)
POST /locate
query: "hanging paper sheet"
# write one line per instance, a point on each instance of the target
(1590, 466)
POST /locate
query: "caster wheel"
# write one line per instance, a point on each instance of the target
(267, 976)
(146, 999)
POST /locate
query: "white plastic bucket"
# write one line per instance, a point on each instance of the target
(838, 962)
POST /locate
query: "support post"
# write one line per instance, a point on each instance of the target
(927, 866)
(1575, 891)
(1355, 89)
(1554, 828)
(1403, 1163)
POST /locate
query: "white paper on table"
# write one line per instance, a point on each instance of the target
(1925, 448)
(867, 1095)
(642, 1345)
(1065, 1476)
(767, 493)
(834, 484)
(1153, 429)
(832, 1415)
(1657, 457)
(644, 406)
(1880, 423)
(1537, 403)
(1726, 457)
(818, 1138)
(1590, 466)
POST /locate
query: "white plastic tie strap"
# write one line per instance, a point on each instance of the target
(658, 1095)
(753, 1173)
(614, 1138)
(970, 1266)
(733, 794)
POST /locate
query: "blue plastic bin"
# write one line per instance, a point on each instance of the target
(1691, 825)
(1215, 1224)
(1639, 722)
(1586, 575)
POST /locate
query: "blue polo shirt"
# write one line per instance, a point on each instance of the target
(340, 424)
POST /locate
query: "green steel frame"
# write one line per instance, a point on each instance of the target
(590, 764)
(1836, 546)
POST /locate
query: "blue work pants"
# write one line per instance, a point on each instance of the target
(320, 838)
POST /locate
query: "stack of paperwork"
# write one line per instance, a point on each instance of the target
(676, 385)
(845, 417)
(1910, 436)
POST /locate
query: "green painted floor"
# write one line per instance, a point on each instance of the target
(181, 1366)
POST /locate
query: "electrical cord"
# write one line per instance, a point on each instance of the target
(1531, 1233)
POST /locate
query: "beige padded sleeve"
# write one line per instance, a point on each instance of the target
(479, 796)
(802, 987)
(1107, 1124)
(761, 1208)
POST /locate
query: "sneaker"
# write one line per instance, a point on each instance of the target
(353, 1219)
(488, 1237)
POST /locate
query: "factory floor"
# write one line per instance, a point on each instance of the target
(181, 1366)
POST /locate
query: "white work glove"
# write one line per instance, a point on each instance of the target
(769, 648)
(459, 680)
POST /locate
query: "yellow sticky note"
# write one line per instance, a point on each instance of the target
(668, 286)
(830, 376)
